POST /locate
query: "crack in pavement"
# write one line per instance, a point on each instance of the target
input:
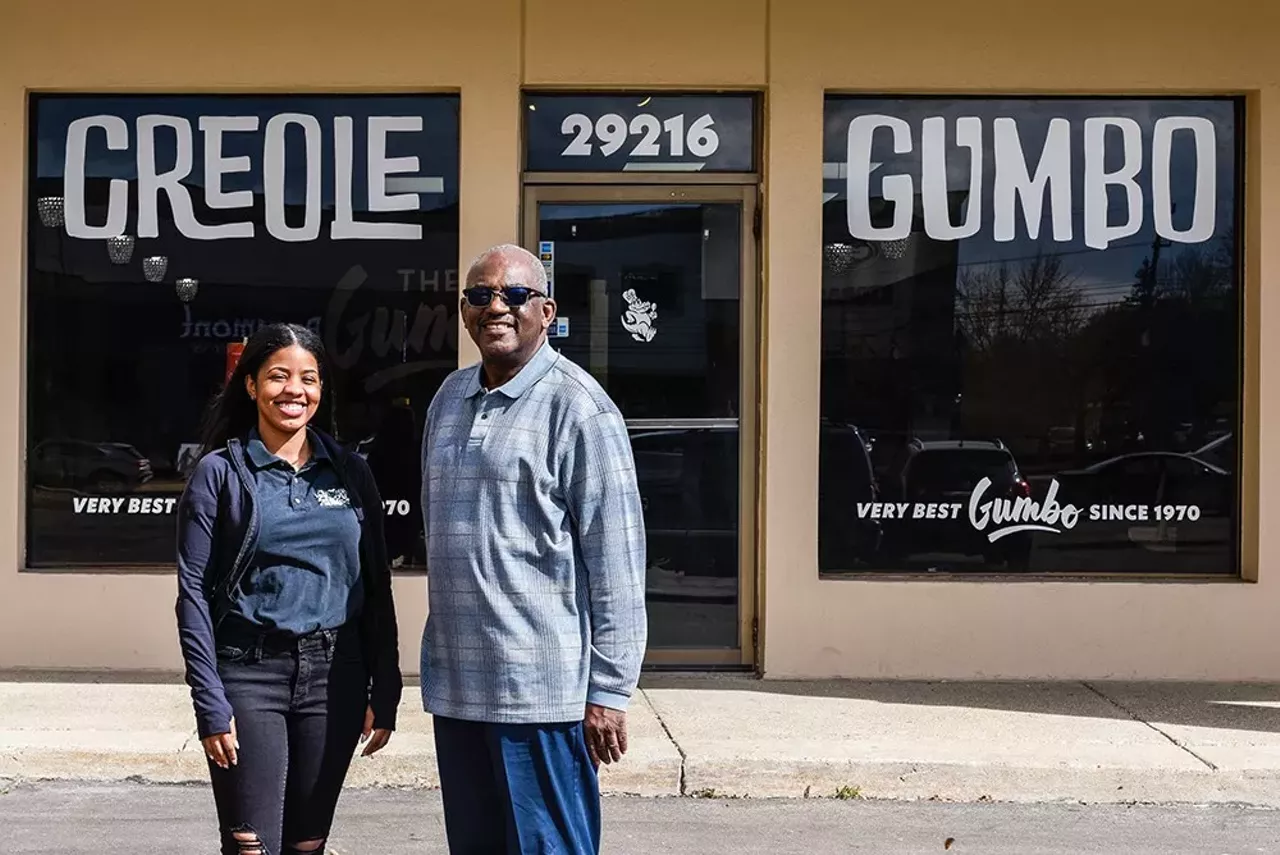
(1133, 715)
(667, 730)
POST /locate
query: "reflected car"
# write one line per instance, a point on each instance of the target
(1220, 452)
(1151, 478)
(1126, 489)
(947, 472)
(98, 467)
(846, 478)
(688, 480)
(1062, 441)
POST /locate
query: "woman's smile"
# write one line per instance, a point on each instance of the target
(292, 409)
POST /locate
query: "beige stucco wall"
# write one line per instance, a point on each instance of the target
(794, 50)
(1005, 629)
(126, 621)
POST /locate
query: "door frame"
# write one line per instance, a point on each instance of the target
(746, 654)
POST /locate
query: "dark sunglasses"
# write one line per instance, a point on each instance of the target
(514, 296)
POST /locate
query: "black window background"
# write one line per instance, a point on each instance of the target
(120, 370)
(1109, 370)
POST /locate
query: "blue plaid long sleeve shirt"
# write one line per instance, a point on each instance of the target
(535, 548)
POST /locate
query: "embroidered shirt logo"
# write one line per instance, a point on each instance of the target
(639, 317)
(336, 498)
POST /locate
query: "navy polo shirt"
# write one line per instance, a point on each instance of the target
(305, 572)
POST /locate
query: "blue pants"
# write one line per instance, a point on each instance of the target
(537, 777)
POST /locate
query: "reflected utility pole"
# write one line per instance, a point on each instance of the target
(1146, 391)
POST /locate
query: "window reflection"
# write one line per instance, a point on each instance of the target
(688, 479)
(227, 212)
(1031, 315)
(650, 295)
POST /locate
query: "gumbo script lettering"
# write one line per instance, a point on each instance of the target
(996, 517)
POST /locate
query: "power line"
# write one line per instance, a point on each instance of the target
(1044, 255)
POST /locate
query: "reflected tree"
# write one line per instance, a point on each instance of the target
(1162, 363)
(1055, 374)
(1015, 324)
(1031, 301)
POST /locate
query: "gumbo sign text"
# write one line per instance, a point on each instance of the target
(1103, 155)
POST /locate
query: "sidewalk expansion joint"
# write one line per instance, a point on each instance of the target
(667, 730)
(1133, 715)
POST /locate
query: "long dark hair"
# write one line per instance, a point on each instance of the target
(233, 412)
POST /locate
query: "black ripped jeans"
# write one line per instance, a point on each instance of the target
(299, 705)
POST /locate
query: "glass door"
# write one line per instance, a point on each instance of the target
(655, 295)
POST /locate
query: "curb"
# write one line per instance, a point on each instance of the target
(415, 771)
(746, 778)
(978, 784)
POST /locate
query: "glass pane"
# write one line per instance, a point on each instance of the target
(124, 354)
(650, 294)
(1031, 319)
(689, 486)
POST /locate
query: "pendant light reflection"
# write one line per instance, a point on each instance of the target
(154, 268)
(120, 249)
(838, 257)
(52, 211)
(894, 249)
(187, 289)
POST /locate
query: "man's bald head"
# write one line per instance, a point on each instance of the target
(516, 260)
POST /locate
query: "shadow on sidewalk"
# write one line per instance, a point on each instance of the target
(1230, 706)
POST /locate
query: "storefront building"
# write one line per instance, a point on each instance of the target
(942, 341)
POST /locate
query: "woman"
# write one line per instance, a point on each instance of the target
(284, 602)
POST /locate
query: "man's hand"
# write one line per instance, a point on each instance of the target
(222, 748)
(606, 732)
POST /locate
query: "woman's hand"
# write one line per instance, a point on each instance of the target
(222, 748)
(381, 736)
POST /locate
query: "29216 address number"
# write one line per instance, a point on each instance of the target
(612, 131)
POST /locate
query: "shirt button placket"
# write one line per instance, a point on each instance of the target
(480, 427)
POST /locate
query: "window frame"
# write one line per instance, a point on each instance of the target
(1244, 520)
(29, 223)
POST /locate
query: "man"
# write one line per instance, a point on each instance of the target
(536, 556)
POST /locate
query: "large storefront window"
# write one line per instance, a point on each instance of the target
(164, 230)
(1031, 335)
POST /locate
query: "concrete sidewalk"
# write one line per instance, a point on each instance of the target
(713, 736)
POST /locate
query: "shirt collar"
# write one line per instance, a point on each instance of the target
(531, 373)
(261, 458)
